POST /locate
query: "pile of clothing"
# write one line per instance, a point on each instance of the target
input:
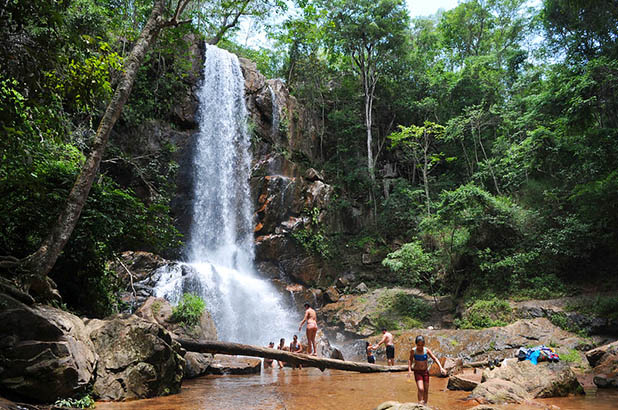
(538, 354)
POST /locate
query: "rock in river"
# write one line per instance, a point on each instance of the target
(542, 380)
(137, 359)
(45, 353)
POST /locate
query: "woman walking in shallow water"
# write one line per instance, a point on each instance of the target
(418, 363)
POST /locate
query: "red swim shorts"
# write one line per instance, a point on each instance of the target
(422, 375)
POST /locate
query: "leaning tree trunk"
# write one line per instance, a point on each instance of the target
(282, 355)
(41, 262)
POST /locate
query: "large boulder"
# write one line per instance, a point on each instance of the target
(196, 364)
(137, 359)
(159, 310)
(541, 380)
(498, 391)
(604, 360)
(361, 314)
(466, 382)
(45, 353)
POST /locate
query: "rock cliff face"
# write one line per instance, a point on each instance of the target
(288, 198)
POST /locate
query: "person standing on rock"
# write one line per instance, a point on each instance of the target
(387, 340)
(312, 329)
(418, 363)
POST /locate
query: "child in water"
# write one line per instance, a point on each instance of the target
(370, 356)
(418, 363)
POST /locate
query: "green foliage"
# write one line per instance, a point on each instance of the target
(411, 306)
(562, 320)
(189, 310)
(572, 357)
(486, 313)
(385, 321)
(601, 306)
(85, 402)
(312, 237)
(411, 264)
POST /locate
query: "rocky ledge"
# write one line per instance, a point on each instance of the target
(518, 381)
(491, 343)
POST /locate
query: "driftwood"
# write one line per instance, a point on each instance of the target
(284, 356)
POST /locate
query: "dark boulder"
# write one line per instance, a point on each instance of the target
(45, 353)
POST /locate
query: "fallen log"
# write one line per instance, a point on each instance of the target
(284, 356)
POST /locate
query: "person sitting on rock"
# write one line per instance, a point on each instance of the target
(282, 346)
(296, 347)
(418, 363)
(268, 363)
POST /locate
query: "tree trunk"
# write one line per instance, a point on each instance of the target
(368, 98)
(42, 261)
(284, 356)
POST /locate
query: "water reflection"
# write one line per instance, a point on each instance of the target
(311, 389)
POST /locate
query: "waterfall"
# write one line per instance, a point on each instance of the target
(275, 109)
(220, 251)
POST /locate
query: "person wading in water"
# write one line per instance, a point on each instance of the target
(282, 346)
(312, 328)
(269, 362)
(370, 357)
(387, 340)
(296, 347)
(418, 363)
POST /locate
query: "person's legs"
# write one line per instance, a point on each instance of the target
(420, 387)
(311, 336)
(390, 355)
(308, 332)
(426, 387)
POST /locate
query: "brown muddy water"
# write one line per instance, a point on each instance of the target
(310, 389)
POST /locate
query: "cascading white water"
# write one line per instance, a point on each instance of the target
(221, 249)
(275, 110)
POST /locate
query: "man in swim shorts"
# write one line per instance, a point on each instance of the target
(312, 328)
(387, 340)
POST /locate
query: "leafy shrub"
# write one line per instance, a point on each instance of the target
(410, 263)
(85, 402)
(313, 239)
(189, 310)
(486, 313)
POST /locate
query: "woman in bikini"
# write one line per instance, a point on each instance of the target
(312, 328)
(296, 347)
(418, 363)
